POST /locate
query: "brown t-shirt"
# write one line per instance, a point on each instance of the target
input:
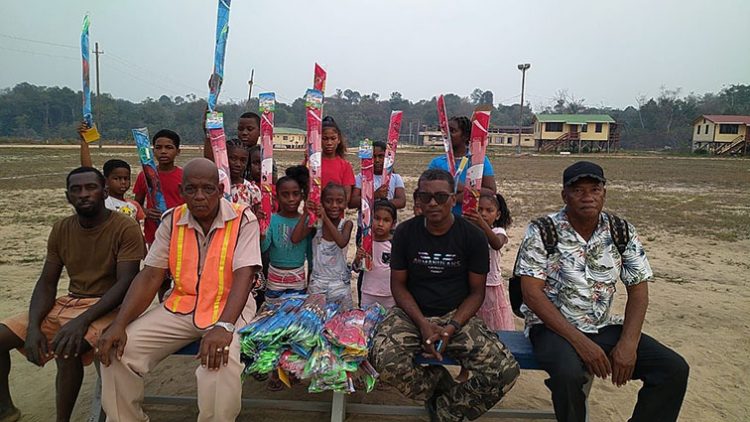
(91, 255)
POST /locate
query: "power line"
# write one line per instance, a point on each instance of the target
(263, 88)
(146, 81)
(13, 37)
(36, 53)
(509, 98)
(122, 61)
(140, 69)
(117, 58)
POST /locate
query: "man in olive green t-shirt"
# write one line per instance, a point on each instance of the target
(101, 251)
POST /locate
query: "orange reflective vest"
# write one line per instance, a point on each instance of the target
(204, 295)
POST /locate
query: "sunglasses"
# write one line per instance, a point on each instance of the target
(427, 197)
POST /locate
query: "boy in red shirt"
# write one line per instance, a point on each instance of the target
(166, 148)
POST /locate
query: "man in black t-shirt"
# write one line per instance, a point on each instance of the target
(439, 264)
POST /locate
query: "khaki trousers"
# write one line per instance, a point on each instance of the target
(152, 337)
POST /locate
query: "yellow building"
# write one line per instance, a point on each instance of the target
(289, 138)
(576, 132)
(721, 134)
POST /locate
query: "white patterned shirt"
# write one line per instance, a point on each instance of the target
(246, 193)
(581, 276)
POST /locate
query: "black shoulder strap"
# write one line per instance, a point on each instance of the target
(548, 232)
(618, 229)
(549, 239)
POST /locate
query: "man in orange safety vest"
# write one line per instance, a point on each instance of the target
(211, 248)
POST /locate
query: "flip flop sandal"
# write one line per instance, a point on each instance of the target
(274, 385)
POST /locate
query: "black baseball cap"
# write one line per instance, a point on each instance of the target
(583, 169)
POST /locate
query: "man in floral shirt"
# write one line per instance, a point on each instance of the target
(567, 299)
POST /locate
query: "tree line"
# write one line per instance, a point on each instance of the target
(32, 112)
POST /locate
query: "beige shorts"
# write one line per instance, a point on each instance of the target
(65, 309)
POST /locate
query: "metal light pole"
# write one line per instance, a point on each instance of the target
(523, 68)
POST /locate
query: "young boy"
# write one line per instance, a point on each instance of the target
(393, 193)
(117, 175)
(117, 181)
(248, 131)
(166, 148)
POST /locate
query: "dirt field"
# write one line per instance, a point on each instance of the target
(693, 216)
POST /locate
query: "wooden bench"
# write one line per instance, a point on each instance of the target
(516, 342)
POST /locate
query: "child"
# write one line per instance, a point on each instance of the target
(286, 270)
(255, 165)
(248, 128)
(460, 130)
(376, 284)
(330, 272)
(286, 259)
(334, 167)
(394, 192)
(117, 175)
(242, 191)
(166, 148)
(248, 132)
(495, 311)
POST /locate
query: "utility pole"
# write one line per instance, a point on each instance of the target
(97, 52)
(250, 82)
(523, 68)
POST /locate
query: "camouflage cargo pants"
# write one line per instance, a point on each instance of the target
(493, 368)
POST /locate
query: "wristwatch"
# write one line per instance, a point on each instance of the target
(455, 324)
(225, 325)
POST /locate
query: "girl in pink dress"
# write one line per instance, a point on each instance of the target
(493, 218)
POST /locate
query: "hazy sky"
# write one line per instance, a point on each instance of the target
(606, 51)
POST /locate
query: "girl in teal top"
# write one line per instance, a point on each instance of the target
(286, 271)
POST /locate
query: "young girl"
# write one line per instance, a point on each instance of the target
(493, 218)
(376, 284)
(330, 274)
(286, 269)
(460, 130)
(334, 167)
(243, 191)
(286, 259)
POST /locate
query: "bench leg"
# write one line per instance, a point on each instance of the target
(586, 391)
(96, 414)
(338, 407)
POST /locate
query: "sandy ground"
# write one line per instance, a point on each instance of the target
(699, 298)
